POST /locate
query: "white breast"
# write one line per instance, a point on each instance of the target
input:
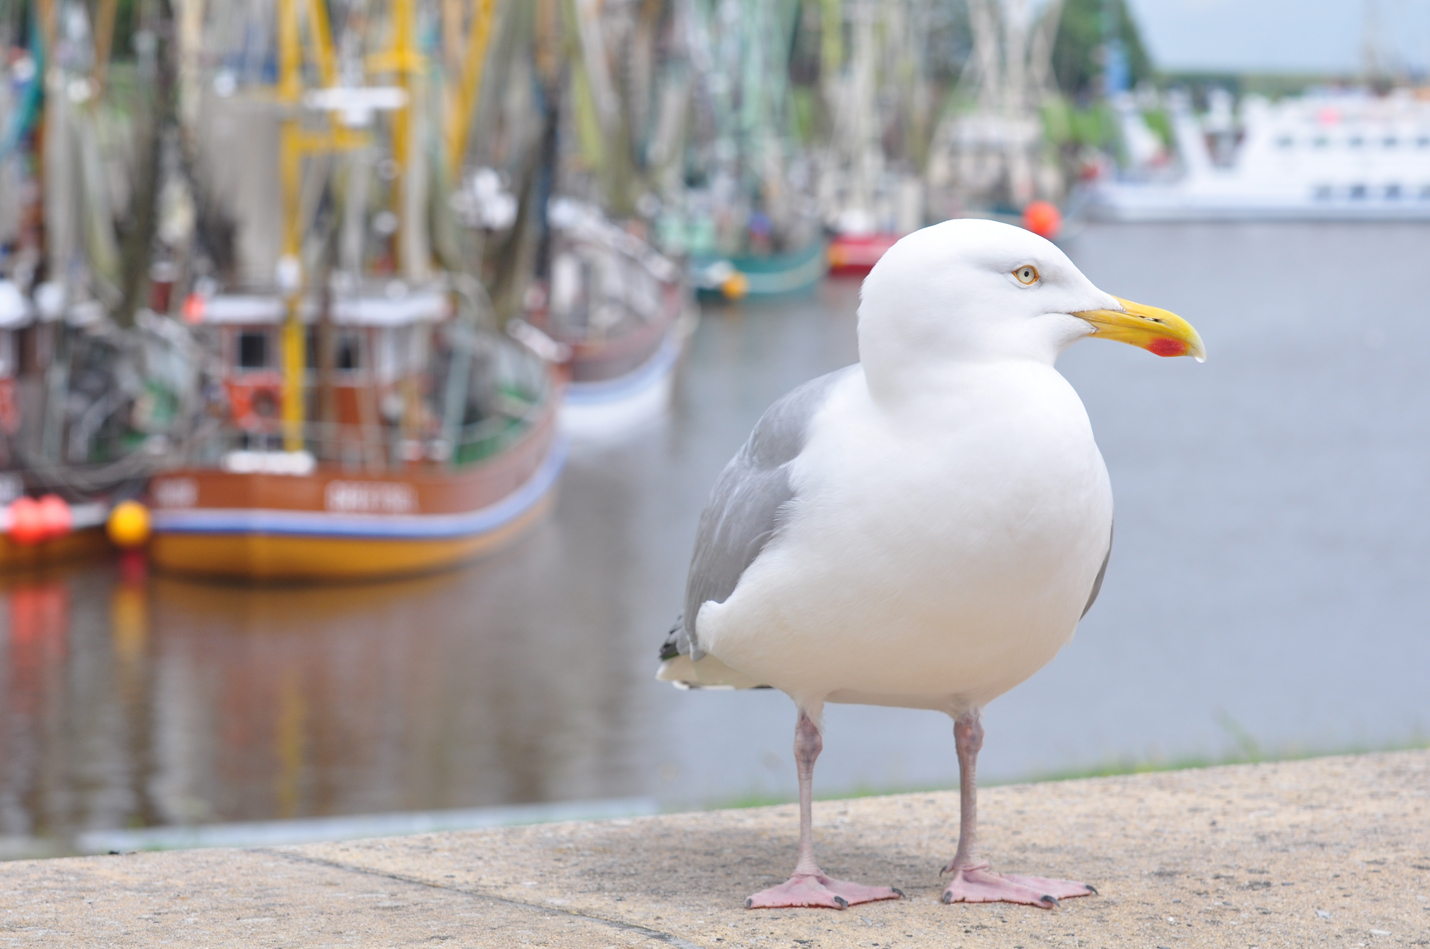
(935, 556)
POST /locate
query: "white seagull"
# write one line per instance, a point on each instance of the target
(923, 529)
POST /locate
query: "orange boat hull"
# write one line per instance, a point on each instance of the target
(278, 557)
(84, 544)
(333, 524)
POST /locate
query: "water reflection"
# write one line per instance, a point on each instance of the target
(523, 677)
(1272, 528)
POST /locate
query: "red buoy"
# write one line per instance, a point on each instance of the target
(27, 524)
(55, 516)
(1043, 218)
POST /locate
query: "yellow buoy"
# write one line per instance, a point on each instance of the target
(128, 524)
(735, 286)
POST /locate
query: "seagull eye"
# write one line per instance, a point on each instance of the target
(1027, 275)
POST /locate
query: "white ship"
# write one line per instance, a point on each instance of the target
(1322, 156)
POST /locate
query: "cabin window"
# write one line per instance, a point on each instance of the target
(1321, 141)
(1323, 192)
(1391, 141)
(27, 341)
(1356, 142)
(1425, 192)
(253, 349)
(1392, 192)
(1423, 141)
(1285, 141)
(349, 351)
(1358, 192)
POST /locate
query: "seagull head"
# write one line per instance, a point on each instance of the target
(971, 290)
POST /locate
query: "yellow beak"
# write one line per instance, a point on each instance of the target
(1154, 330)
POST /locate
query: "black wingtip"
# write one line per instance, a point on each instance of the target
(899, 891)
(1092, 889)
(1050, 899)
(749, 902)
(671, 647)
(843, 903)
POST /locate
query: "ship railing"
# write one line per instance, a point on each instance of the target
(375, 447)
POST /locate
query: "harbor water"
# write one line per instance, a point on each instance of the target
(1266, 594)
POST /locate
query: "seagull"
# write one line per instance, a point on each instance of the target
(923, 529)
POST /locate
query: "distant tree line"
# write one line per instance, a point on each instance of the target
(1078, 49)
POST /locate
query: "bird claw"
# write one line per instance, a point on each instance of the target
(819, 890)
(980, 885)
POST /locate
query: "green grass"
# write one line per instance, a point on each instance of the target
(1248, 752)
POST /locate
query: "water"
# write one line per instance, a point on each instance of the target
(1266, 588)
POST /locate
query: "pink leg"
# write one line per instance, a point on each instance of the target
(808, 886)
(972, 881)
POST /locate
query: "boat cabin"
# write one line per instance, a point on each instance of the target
(366, 377)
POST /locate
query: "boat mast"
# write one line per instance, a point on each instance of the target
(294, 144)
(403, 59)
(994, 150)
(290, 267)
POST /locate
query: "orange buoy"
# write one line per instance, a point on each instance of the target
(1043, 218)
(27, 524)
(735, 286)
(55, 516)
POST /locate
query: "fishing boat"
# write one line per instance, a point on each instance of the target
(95, 384)
(33, 533)
(879, 100)
(366, 422)
(748, 221)
(615, 309)
(619, 311)
(386, 484)
(989, 155)
(761, 276)
(1325, 155)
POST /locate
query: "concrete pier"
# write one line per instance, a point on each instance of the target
(1323, 852)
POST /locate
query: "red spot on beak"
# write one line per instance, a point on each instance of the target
(1166, 346)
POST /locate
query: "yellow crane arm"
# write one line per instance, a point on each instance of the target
(464, 103)
(322, 35)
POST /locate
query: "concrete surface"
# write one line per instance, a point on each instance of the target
(1326, 852)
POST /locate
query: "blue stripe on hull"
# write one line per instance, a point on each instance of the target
(637, 380)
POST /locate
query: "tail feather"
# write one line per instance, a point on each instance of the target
(706, 672)
(671, 647)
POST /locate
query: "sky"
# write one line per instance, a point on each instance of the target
(1279, 35)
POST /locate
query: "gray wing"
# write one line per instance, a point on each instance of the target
(1101, 572)
(743, 512)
